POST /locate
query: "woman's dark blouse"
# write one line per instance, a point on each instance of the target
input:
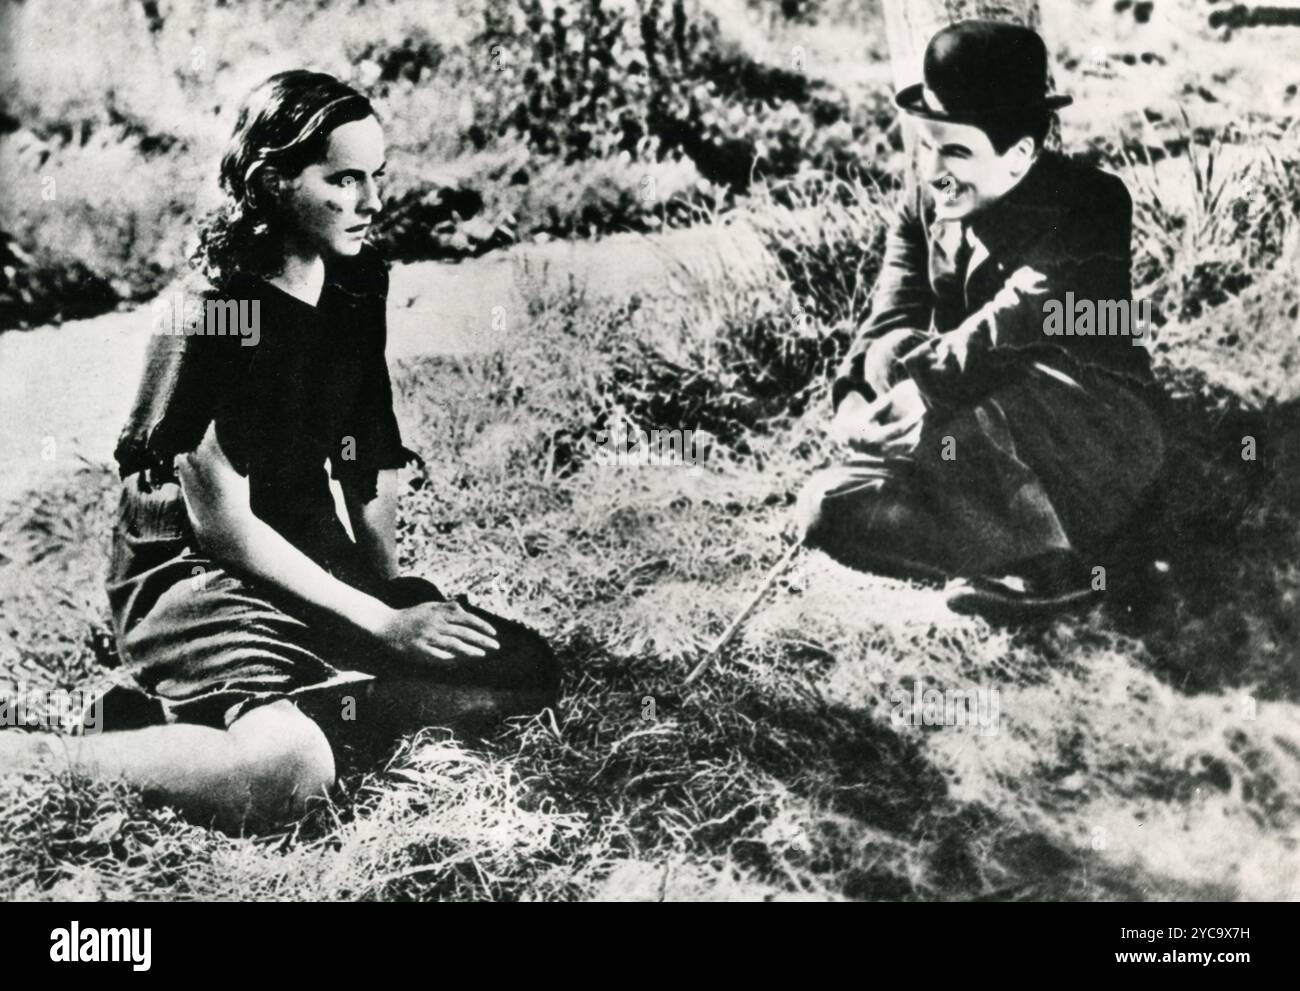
(313, 388)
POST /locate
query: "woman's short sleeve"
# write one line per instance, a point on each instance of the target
(186, 378)
(371, 440)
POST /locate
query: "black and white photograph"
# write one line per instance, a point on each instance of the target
(651, 451)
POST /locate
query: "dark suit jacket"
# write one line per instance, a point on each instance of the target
(1064, 221)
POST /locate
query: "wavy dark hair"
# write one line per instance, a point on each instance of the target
(284, 123)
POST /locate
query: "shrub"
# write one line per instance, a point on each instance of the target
(611, 113)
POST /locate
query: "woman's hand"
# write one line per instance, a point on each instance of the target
(436, 631)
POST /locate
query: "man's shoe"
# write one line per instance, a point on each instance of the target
(1011, 599)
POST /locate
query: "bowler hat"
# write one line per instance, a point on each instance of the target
(980, 70)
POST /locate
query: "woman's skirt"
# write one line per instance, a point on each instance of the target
(202, 644)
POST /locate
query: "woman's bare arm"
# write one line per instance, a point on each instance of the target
(216, 499)
(374, 524)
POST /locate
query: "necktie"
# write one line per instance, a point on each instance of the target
(948, 274)
(961, 260)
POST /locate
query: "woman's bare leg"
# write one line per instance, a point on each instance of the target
(260, 771)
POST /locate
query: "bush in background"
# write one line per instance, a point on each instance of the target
(513, 118)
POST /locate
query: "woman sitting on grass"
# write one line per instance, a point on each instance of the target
(260, 636)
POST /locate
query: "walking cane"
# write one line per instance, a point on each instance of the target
(777, 571)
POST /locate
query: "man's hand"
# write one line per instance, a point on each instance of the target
(939, 365)
(433, 633)
(863, 425)
(943, 359)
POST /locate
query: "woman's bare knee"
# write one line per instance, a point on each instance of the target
(285, 758)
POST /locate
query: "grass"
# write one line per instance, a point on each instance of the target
(1146, 750)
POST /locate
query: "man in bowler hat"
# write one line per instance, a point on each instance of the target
(989, 448)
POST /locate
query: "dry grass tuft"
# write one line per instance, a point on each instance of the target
(1148, 750)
